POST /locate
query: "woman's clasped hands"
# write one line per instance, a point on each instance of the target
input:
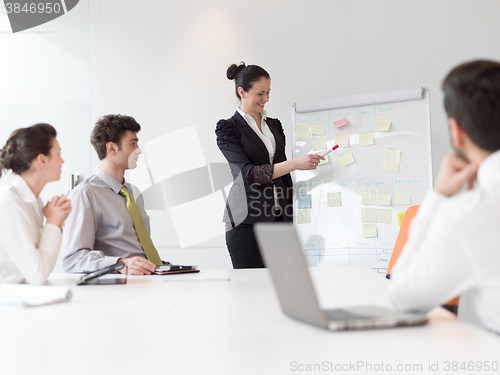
(57, 210)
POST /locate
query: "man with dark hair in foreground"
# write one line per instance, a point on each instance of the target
(108, 223)
(453, 243)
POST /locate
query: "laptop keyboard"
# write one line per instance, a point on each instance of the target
(343, 315)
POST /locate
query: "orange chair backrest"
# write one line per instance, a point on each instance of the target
(402, 236)
(401, 241)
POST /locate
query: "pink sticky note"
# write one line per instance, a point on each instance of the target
(341, 122)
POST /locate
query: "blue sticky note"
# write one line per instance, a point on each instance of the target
(303, 201)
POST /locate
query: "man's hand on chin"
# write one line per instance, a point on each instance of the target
(453, 174)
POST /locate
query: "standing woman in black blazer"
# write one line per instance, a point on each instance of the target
(254, 146)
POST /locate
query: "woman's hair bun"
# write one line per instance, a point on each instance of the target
(245, 76)
(8, 152)
(26, 144)
(234, 70)
(8, 155)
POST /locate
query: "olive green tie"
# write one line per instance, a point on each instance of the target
(140, 227)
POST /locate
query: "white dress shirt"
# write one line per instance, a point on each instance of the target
(99, 229)
(453, 247)
(28, 249)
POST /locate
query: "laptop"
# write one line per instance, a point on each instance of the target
(295, 290)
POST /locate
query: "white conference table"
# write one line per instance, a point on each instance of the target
(224, 322)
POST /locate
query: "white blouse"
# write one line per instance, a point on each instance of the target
(265, 135)
(28, 249)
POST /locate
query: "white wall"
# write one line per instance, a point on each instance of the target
(45, 78)
(164, 63)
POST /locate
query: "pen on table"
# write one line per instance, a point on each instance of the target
(333, 149)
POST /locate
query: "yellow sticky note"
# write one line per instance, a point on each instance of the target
(319, 143)
(392, 158)
(384, 198)
(334, 199)
(403, 197)
(346, 158)
(401, 216)
(369, 197)
(304, 216)
(383, 122)
(302, 131)
(384, 216)
(368, 215)
(342, 139)
(365, 138)
(317, 128)
(370, 230)
(323, 162)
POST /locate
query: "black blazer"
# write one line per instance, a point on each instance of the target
(251, 198)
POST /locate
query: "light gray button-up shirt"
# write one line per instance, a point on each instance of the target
(99, 229)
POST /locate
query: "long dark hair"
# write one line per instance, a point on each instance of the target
(24, 145)
(245, 76)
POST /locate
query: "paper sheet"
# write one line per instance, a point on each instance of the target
(369, 197)
(403, 197)
(317, 128)
(370, 230)
(384, 198)
(319, 143)
(369, 215)
(383, 122)
(392, 158)
(340, 123)
(302, 131)
(25, 295)
(342, 139)
(346, 158)
(303, 201)
(384, 216)
(366, 138)
(334, 199)
(304, 216)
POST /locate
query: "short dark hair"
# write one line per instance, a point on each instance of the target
(111, 128)
(472, 97)
(245, 76)
(24, 145)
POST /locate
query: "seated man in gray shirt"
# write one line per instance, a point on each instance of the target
(106, 225)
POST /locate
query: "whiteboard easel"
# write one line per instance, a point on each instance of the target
(334, 236)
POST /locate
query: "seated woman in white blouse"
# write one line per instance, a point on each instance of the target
(28, 248)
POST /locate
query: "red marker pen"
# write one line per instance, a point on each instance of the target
(333, 149)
